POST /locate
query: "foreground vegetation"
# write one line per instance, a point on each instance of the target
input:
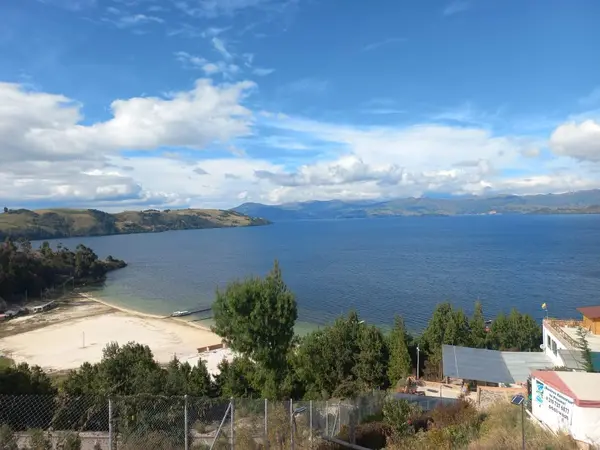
(61, 223)
(27, 274)
(402, 426)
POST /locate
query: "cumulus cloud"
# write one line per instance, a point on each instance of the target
(149, 152)
(48, 154)
(577, 140)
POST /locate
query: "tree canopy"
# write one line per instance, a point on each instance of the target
(256, 318)
(400, 365)
(25, 272)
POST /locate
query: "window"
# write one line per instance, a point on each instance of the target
(549, 341)
(554, 347)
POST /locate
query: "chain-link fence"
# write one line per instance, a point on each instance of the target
(176, 422)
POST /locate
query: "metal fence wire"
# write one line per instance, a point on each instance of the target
(150, 422)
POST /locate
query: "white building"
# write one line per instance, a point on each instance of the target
(568, 402)
(561, 341)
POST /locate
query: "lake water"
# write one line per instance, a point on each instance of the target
(380, 267)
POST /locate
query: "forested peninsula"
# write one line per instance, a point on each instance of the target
(29, 274)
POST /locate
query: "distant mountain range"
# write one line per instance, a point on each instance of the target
(581, 202)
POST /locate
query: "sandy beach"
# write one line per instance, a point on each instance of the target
(78, 331)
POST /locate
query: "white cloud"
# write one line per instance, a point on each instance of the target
(215, 8)
(227, 69)
(219, 45)
(378, 44)
(47, 154)
(456, 7)
(261, 72)
(127, 21)
(577, 140)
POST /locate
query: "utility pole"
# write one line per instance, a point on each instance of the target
(418, 351)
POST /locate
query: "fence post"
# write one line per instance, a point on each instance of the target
(232, 423)
(110, 425)
(185, 418)
(266, 424)
(291, 424)
(326, 418)
(310, 426)
(339, 420)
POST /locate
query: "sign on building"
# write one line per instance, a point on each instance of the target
(551, 406)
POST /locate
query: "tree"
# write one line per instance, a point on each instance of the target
(372, 360)
(457, 330)
(585, 349)
(341, 360)
(518, 332)
(5, 210)
(433, 338)
(479, 336)
(400, 365)
(236, 379)
(256, 318)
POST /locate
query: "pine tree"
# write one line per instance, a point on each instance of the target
(400, 365)
(479, 336)
(585, 349)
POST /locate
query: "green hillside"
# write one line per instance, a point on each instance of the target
(60, 223)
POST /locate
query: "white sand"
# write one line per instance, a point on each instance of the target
(60, 346)
(212, 359)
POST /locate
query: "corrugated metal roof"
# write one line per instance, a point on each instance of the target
(591, 312)
(521, 364)
(491, 365)
(475, 364)
(573, 359)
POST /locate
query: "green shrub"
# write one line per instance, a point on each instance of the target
(399, 414)
(38, 440)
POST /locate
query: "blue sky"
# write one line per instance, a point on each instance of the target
(209, 103)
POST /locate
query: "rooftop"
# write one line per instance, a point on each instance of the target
(566, 332)
(593, 339)
(491, 365)
(582, 387)
(591, 312)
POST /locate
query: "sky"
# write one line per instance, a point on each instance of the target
(129, 104)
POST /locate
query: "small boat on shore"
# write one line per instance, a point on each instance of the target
(180, 313)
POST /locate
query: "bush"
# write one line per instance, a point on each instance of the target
(370, 435)
(463, 412)
(38, 440)
(399, 414)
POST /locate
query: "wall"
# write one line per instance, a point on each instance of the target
(551, 406)
(591, 324)
(549, 350)
(586, 425)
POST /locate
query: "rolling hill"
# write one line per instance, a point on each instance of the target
(581, 202)
(61, 223)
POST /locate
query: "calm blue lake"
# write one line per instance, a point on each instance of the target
(380, 267)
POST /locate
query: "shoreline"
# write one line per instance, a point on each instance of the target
(134, 312)
(79, 329)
